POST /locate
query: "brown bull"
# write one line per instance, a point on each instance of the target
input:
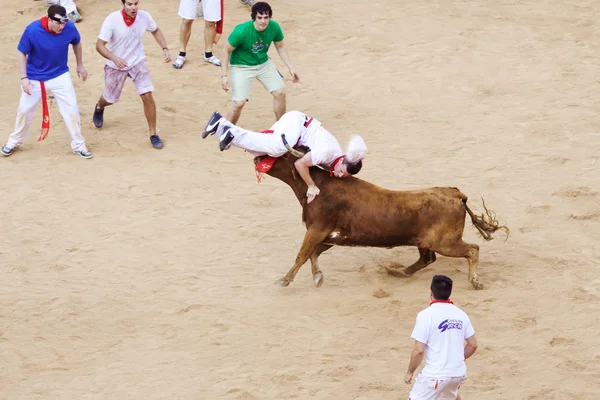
(352, 212)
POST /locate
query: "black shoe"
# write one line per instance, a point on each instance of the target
(212, 125)
(98, 117)
(226, 138)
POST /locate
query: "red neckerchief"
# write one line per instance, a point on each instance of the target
(128, 20)
(441, 301)
(44, 22)
(337, 160)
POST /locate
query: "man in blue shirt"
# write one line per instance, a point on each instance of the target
(43, 57)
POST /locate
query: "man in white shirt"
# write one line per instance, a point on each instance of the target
(440, 333)
(299, 129)
(120, 42)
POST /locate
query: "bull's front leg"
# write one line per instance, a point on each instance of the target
(314, 261)
(312, 238)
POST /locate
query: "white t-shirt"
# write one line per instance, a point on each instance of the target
(301, 129)
(443, 327)
(126, 41)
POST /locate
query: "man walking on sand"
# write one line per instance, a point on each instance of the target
(120, 42)
(440, 334)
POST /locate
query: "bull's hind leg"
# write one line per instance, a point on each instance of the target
(426, 257)
(312, 238)
(314, 261)
(466, 250)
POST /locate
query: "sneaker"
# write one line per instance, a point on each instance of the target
(213, 60)
(98, 117)
(212, 125)
(75, 16)
(83, 153)
(7, 151)
(249, 3)
(156, 142)
(179, 61)
(225, 139)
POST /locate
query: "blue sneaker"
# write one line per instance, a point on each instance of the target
(212, 124)
(225, 139)
(98, 117)
(156, 142)
(7, 151)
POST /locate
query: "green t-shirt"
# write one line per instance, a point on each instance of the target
(251, 46)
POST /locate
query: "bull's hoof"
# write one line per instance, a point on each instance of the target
(283, 282)
(476, 284)
(396, 272)
(318, 279)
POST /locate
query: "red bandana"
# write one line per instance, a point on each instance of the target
(335, 162)
(265, 164)
(219, 28)
(128, 20)
(45, 112)
(44, 22)
(441, 301)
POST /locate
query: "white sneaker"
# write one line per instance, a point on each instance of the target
(249, 3)
(179, 61)
(213, 60)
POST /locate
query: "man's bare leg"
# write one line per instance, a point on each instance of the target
(233, 115)
(185, 32)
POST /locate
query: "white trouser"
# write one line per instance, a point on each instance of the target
(262, 143)
(64, 94)
(290, 124)
(426, 388)
(69, 5)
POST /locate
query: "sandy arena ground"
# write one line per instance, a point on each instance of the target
(145, 274)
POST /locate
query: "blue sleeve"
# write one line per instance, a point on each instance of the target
(76, 37)
(25, 44)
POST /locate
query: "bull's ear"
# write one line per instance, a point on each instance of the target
(295, 152)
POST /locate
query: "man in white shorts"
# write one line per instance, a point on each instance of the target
(120, 42)
(212, 13)
(299, 129)
(440, 333)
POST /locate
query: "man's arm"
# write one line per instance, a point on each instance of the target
(281, 49)
(471, 346)
(225, 67)
(416, 357)
(104, 52)
(302, 166)
(160, 39)
(81, 71)
(22, 59)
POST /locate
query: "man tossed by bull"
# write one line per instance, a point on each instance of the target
(301, 130)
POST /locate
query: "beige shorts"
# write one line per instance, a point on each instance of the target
(114, 79)
(243, 75)
(435, 389)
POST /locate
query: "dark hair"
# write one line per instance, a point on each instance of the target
(261, 7)
(56, 9)
(353, 169)
(441, 287)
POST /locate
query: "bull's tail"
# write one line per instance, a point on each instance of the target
(486, 224)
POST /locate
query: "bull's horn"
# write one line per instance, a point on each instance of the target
(295, 152)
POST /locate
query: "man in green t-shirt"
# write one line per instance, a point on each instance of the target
(247, 50)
